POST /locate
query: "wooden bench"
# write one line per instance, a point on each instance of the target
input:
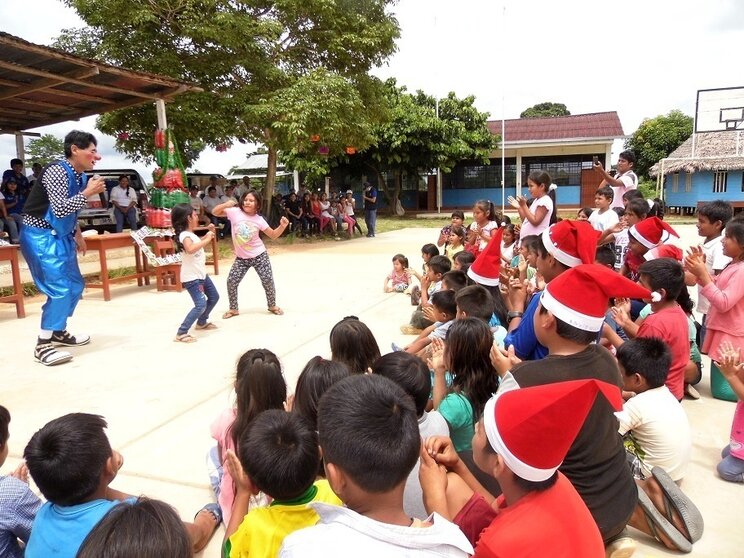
(9, 253)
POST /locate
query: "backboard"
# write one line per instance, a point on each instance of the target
(719, 110)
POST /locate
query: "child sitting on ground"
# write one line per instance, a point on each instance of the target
(462, 261)
(412, 375)
(431, 283)
(278, 456)
(259, 385)
(655, 426)
(353, 344)
(72, 464)
(400, 277)
(366, 420)
(428, 251)
(443, 303)
(456, 219)
(18, 505)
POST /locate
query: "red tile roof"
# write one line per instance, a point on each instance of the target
(596, 125)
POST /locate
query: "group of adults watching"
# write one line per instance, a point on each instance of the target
(14, 190)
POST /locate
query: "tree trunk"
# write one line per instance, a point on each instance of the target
(395, 202)
(268, 192)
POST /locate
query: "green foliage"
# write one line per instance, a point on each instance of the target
(413, 139)
(263, 65)
(542, 110)
(44, 150)
(648, 188)
(657, 137)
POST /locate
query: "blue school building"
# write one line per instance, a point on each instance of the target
(562, 146)
(715, 171)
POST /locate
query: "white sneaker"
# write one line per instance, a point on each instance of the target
(46, 354)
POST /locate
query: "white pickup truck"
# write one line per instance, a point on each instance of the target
(99, 214)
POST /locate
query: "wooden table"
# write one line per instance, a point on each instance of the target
(10, 253)
(104, 242)
(215, 261)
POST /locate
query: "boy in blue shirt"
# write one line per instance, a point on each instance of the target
(72, 463)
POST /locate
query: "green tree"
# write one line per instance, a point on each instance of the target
(412, 141)
(253, 58)
(44, 150)
(657, 137)
(542, 110)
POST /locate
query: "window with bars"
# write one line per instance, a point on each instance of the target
(688, 182)
(720, 178)
(675, 182)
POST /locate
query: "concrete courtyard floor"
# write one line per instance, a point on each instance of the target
(159, 397)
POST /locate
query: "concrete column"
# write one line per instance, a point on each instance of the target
(519, 173)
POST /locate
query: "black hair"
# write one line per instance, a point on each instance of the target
(318, 375)
(180, 220)
(458, 231)
(17, 161)
(717, 210)
(586, 211)
(430, 249)
(619, 210)
(606, 192)
(279, 453)
(353, 344)
(121, 176)
(474, 301)
(402, 259)
(67, 457)
(464, 258)
(145, 529)
(632, 194)
(532, 486)
(571, 333)
(648, 356)
(79, 139)
(664, 273)
(542, 177)
(487, 207)
(638, 207)
(259, 386)
(368, 428)
(657, 208)
(468, 350)
(531, 243)
(444, 301)
(542, 251)
(456, 279)
(735, 231)
(628, 156)
(211, 189)
(440, 264)
(410, 373)
(256, 195)
(605, 256)
(458, 214)
(511, 229)
(4, 422)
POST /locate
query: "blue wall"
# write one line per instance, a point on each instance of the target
(466, 197)
(702, 189)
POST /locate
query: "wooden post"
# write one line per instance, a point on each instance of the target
(160, 109)
(20, 150)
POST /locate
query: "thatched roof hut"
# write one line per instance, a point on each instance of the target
(714, 151)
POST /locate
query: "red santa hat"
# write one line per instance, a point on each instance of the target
(652, 231)
(571, 242)
(664, 251)
(581, 295)
(486, 268)
(533, 428)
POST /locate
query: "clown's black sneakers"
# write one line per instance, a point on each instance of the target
(64, 338)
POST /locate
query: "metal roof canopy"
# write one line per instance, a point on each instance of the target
(40, 86)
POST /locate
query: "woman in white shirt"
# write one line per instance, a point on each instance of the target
(124, 200)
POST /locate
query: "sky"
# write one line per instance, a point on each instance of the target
(639, 58)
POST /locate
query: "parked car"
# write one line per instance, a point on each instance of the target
(99, 213)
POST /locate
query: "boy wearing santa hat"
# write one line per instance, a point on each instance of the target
(562, 246)
(534, 491)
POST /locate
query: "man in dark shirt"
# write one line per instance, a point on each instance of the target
(16, 171)
(50, 237)
(370, 208)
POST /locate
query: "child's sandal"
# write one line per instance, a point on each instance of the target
(185, 338)
(276, 310)
(229, 314)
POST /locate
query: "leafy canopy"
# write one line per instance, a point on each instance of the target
(548, 109)
(45, 149)
(273, 72)
(657, 137)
